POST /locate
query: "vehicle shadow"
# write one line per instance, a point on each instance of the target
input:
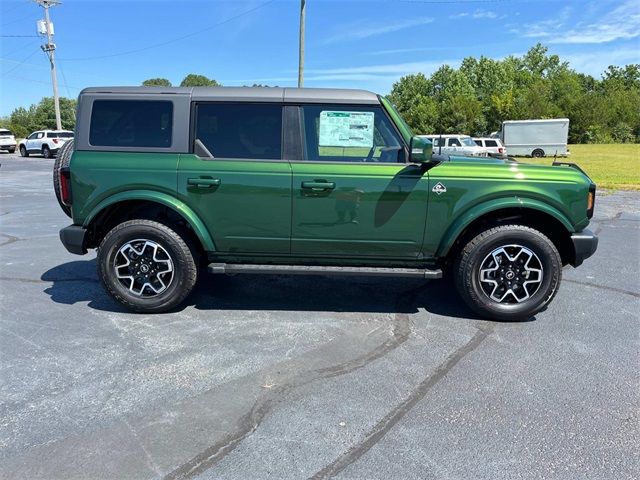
(77, 282)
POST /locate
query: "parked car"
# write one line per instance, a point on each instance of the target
(493, 146)
(44, 142)
(7, 140)
(306, 181)
(456, 145)
(536, 138)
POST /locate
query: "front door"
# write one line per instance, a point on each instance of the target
(354, 195)
(236, 181)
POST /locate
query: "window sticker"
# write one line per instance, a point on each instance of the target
(346, 129)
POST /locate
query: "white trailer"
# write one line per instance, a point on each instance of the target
(536, 138)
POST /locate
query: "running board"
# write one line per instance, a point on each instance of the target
(222, 268)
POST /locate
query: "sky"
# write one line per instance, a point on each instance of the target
(349, 43)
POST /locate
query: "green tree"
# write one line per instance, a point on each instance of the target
(156, 82)
(194, 80)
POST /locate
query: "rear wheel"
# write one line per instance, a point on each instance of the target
(23, 151)
(537, 153)
(46, 152)
(62, 160)
(509, 272)
(146, 266)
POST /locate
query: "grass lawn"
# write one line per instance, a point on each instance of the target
(614, 166)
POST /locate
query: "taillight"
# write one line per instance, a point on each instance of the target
(65, 186)
(500, 150)
(591, 200)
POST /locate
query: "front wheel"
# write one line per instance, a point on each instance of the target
(23, 151)
(146, 266)
(509, 272)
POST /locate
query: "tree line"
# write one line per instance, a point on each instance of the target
(473, 99)
(479, 95)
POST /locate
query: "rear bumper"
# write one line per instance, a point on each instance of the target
(74, 238)
(585, 243)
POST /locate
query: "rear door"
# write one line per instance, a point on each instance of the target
(236, 180)
(353, 193)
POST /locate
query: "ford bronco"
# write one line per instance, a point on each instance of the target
(164, 182)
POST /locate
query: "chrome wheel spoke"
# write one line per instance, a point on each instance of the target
(510, 274)
(144, 267)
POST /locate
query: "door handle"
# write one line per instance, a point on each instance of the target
(203, 182)
(319, 185)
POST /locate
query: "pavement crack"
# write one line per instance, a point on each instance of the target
(10, 239)
(604, 287)
(395, 415)
(249, 422)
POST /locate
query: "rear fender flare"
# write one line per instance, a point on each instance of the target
(162, 198)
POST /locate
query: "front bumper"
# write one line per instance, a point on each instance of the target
(74, 238)
(585, 243)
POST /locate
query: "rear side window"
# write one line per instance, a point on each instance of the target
(243, 130)
(491, 143)
(131, 123)
(60, 134)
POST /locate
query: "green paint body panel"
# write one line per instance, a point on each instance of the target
(375, 210)
(102, 179)
(374, 214)
(249, 211)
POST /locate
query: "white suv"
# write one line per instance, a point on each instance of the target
(7, 140)
(462, 145)
(44, 142)
(493, 145)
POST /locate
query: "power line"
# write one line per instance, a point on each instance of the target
(21, 63)
(161, 44)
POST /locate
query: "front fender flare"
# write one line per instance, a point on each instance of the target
(162, 198)
(477, 211)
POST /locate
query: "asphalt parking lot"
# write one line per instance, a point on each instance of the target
(265, 377)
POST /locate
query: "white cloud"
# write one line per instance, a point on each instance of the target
(360, 30)
(621, 23)
(484, 14)
(594, 63)
(459, 15)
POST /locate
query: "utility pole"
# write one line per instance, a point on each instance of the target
(49, 48)
(301, 50)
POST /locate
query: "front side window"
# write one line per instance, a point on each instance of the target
(454, 142)
(131, 123)
(478, 142)
(350, 134)
(468, 142)
(242, 130)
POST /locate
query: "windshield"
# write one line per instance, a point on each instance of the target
(468, 142)
(5, 132)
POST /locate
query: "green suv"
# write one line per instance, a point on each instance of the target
(166, 181)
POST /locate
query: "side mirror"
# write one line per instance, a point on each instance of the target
(420, 150)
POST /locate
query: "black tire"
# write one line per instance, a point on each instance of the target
(182, 257)
(46, 152)
(479, 250)
(23, 151)
(537, 153)
(62, 160)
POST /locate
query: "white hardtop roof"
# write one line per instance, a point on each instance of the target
(538, 120)
(448, 135)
